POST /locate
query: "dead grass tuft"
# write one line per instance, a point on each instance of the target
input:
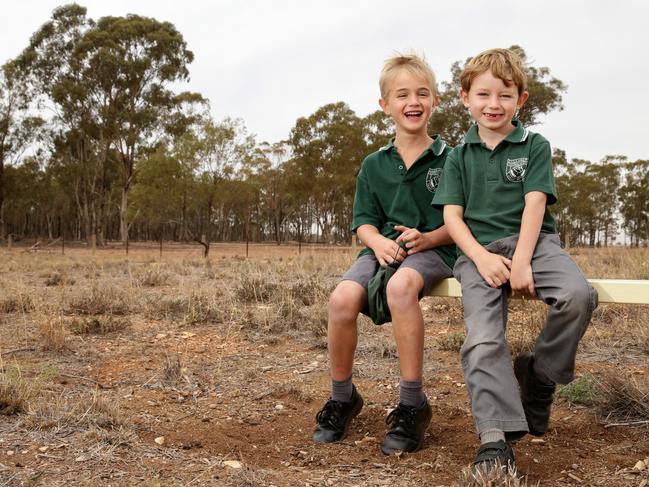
(98, 325)
(493, 476)
(289, 390)
(15, 391)
(153, 275)
(57, 412)
(102, 299)
(623, 397)
(20, 302)
(172, 371)
(57, 278)
(451, 342)
(52, 331)
(526, 320)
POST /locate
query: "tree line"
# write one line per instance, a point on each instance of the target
(97, 145)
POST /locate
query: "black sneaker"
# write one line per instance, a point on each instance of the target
(494, 454)
(536, 396)
(334, 418)
(408, 426)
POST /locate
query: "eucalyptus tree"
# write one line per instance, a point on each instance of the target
(111, 81)
(17, 128)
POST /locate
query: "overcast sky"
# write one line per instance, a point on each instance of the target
(270, 62)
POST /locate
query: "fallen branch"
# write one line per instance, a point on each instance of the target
(17, 350)
(630, 423)
(80, 377)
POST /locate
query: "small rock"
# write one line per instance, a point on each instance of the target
(279, 407)
(160, 440)
(80, 458)
(640, 465)
(538, 441)
(43, 449)
(10, 452)
(160, 336)
(212, 406)
(24, 452)
(232, 464)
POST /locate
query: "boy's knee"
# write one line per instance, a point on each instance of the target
(344, 304)
(577, 298)
(402, 289)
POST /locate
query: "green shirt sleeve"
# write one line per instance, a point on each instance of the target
(538, 174)
(365, 210)
(450, 190)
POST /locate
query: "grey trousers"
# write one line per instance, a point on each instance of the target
(486, 359)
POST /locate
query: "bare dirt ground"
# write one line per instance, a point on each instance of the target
(152, 371)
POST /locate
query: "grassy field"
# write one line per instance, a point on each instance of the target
(177, 370)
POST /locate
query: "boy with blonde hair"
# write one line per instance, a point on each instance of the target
(392, 211)
(496, 190)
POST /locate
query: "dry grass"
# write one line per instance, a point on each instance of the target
(98, 325)
(52, 330)
(623, 398)
(15, 390)
(493, 476)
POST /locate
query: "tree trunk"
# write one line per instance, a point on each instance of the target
(123, 208)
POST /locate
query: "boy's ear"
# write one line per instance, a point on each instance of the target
(464, 96)
(436, 100)
(522, 98)
(384, 106)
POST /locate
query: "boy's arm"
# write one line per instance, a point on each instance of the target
(386, 251)
(493, 268)
(521, 280)
(417, 241)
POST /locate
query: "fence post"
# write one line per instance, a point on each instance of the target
(9, 241)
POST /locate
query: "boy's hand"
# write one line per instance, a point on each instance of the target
(493, 268)
(522, 280)
(387, 251)
(414, 240)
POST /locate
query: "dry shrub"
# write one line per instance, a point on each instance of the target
(255, 288)
(101, 300)
(582, 390)
(98, 325)
(153, 276)
(289, 390)
(491, 476)
(15, 391)
(20, 302)
(309, 290)
(172, 371)
(450, 342)
(57, 278)
(119, 437)
(623, 397)
(52, 331)
(59, 412)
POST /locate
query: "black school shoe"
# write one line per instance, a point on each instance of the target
(334, 418)
(536, 396)
(408, 426)
(494, 454)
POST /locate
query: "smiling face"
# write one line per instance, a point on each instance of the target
(492, 103)
(410, 101)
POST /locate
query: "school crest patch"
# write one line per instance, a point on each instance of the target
(515, 170)
(432, 178)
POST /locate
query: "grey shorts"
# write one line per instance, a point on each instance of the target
(428, 263)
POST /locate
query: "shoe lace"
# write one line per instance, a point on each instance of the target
(403, 418)
(330, 414)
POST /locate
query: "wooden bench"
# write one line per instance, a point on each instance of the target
(619, 291)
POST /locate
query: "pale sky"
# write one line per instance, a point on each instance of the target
(271, 62)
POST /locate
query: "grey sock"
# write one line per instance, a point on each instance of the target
(411, 393)
(493, 434)
(341, 390)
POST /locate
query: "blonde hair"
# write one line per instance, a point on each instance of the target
(413, 64)
(503, 63)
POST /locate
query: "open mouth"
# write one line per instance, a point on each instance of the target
(492, 116)
(413, 114)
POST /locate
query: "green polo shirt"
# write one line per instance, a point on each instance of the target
(388, 194)
(491, 184)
